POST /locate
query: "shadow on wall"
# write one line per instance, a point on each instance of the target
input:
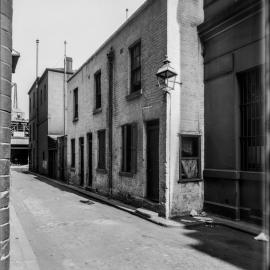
(231, 246)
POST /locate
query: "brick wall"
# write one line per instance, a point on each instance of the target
(5, 109)
(157, 25)
(187, 116)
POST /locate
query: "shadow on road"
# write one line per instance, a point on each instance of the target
(232, 246)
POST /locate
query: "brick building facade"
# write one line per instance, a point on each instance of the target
(128, 139)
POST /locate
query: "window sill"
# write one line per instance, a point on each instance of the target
(134, 95)
(96, 111)
(75, 119)
(184, 181)
(126, 174)
(103, 171)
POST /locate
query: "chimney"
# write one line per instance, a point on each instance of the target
(69, 64)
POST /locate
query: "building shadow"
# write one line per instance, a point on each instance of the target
(229, 245)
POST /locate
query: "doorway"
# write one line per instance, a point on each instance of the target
(90, 159)
(81, 142)
(152, 133)
(52, 165)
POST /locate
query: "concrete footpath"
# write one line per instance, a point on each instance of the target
(184, 222)
(22, 255)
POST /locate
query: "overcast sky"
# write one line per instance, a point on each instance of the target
(85, 24)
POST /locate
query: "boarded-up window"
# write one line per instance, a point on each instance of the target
(190, 157)
(129, 148)
(102, 149)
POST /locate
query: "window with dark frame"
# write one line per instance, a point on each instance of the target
(73, 153)
(129, 148)
(34, 132)
(75, 104)
(135, 67)
(44, 92)
(98, 89)
(102, 149)
(190, 157)
(252, 139)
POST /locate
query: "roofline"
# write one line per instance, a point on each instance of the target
(44, 73)
(32, 87)
(128, 21)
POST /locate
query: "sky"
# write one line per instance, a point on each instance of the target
(84, 24)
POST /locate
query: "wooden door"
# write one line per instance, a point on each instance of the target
(90, 160)
(52, 165)
(153, 160)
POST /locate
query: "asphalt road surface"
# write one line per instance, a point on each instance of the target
(66, 231)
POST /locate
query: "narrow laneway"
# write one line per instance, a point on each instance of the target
(66, 231)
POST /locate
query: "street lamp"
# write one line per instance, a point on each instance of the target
(166, 76)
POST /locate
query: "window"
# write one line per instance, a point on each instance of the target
(98, 89)
(34, 132)
(30, 105)
(129, 148)
(75, 104)
(34, 97)
(101, 149)
(41, 96)
(72, 153)
(251, 115)
(43, 155)
(44, 92)
(135, 60)
(190, 157)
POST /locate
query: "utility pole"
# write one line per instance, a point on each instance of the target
(65, 82)
(5, 108)
(126, 13)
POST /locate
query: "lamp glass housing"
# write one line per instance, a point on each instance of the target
(166, 76)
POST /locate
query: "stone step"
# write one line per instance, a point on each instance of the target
(146, 213)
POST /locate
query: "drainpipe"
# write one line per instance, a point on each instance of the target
(37, 111)
(5, 108)
(110, 57)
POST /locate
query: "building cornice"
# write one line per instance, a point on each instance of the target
(236, 13)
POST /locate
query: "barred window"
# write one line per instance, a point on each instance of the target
(135, 57)
(251, 108)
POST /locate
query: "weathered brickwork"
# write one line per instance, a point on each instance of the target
(5, 108)
(152, 24)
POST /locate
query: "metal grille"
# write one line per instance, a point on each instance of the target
(251, 105)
